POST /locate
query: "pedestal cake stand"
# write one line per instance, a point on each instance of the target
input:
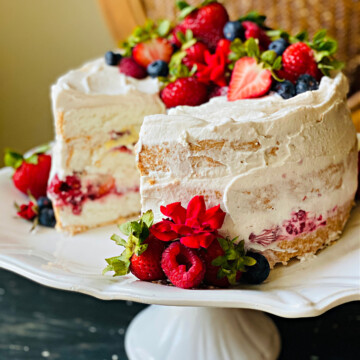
(200, 324)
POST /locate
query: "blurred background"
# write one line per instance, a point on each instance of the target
(39, 41)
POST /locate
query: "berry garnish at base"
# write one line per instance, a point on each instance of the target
(31, 172)
(142, 254)
(185, 248)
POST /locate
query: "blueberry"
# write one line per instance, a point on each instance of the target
(304, 83)
(233, 30)
(259, 272)
(279, 46)
(158, 68)
(112, 58)
(285, 89)
(44, 202)
(47, 217)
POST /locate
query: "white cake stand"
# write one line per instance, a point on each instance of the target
(200, 324)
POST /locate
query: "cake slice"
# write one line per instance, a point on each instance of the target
(98, 112)
(284, 171)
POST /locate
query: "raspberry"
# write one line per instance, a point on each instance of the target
(130, 67)
(182, 266)
(253, 30)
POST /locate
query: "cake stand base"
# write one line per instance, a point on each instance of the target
(201, 333)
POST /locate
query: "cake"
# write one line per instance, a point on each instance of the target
(256, 121)
(284, 171)
(98, 113)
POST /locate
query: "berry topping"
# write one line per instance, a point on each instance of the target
(31, 173)
(285, 89)
(279, 46)
(195, 54)
(259, 272)
(158, 68)
(305, 83)
(47, 217)
(224, 261)
(233, 30)
(142, 254)
(184, 91)
(27, 211)
(44, 202)
(248, 80)
(253, 30)
(155, 49)
(206, 23)
(147, 265)
(112, 58)
(299, 59)
(182, 266)
(130, 67)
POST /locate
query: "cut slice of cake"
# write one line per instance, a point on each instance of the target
(98, 113)
(285, 171)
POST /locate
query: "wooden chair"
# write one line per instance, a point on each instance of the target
(340, 17)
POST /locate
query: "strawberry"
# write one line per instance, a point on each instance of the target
(155, 49)
(174, 39)
(130, 67)
(142, 254)
(195, 54)
(298, 59)
(184, 91)
(27, 211)
(248, 80)
(207, 23)
(147, 265)
(253, 30)
(182, 266)
(31, 173)
(225, 261)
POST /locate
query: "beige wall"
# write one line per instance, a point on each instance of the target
(40, 40)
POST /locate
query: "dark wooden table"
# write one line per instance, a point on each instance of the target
(37, 322)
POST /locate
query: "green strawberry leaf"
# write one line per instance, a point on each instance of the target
(148, 218)
(118, 240)
(163, 28)
(268, 57)
(33, 159)
(13, 159)
(252, 48)
(255, 17)
(277, 34)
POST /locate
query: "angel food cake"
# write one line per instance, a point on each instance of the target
(98, 113)
(257, 122)
(284, 171)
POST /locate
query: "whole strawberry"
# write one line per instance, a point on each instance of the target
(298, 59)
(147, 265)
(195, 54)
(206, 22)
(31, 173)
(142, 254)
(182, 266)
(225, 261)
(184, 91)
(253, 30)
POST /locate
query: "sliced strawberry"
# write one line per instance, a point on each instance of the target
(248, 80)
(155, 49)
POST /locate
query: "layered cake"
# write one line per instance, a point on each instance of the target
(257, 122)
(98, 113)
(284, 171)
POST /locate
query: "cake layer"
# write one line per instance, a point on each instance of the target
(98, 113)
(263, 160)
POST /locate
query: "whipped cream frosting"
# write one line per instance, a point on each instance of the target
(98, 84)
(266, 157)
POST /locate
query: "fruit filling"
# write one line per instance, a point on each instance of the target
(74, 192)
